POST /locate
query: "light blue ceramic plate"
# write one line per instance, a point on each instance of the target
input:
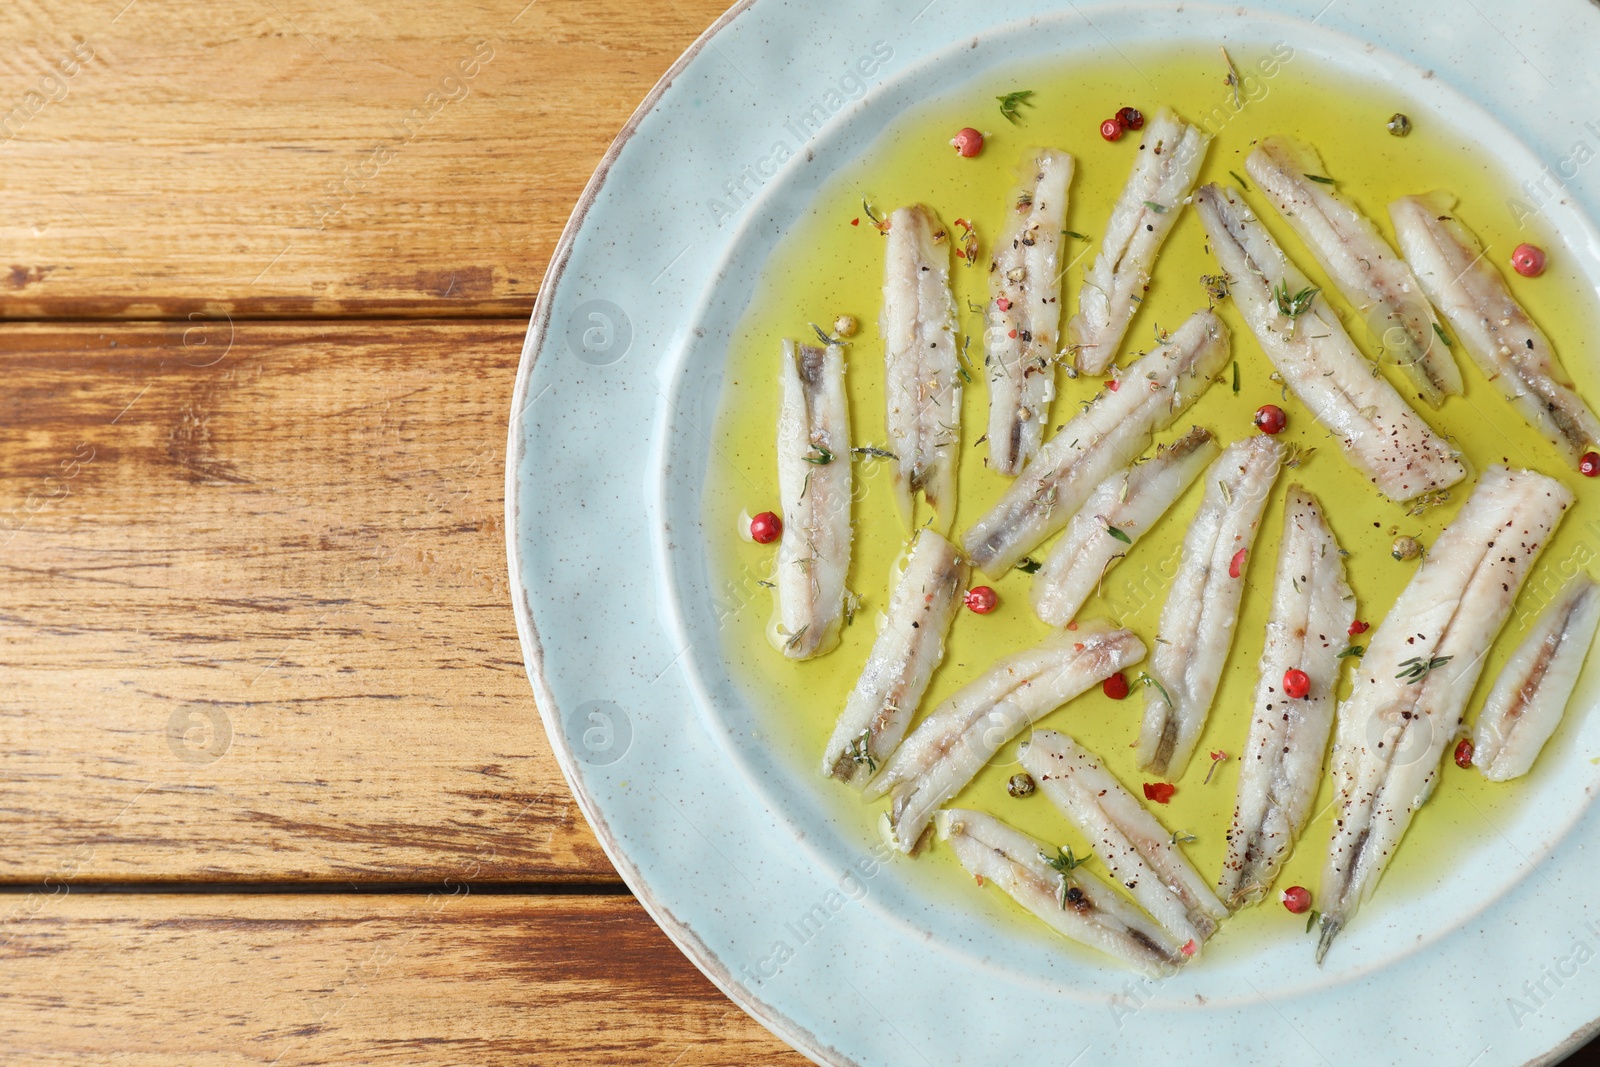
(734, 852)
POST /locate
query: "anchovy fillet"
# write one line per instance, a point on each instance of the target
(1281, 766)
(1024, 314)
(814, 486)
(908, 648)
(1512, 352)
(1111, 431)
(1119, 511)
(1380, 434)
(961, 735)
(921, 373)
(1376, 281)
(1530, 696)
(1418, 671)
(1202, 606)
(1168, 165)
(1075, 904)
(1136, 849)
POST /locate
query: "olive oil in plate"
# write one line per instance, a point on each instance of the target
(830, 263)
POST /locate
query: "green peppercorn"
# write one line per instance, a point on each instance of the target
(1406, 548)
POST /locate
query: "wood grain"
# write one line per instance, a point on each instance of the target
(256, 624)
(241, 980)
(288, 158)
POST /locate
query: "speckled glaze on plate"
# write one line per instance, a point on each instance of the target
(731, 851)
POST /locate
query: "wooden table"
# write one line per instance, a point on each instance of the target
(275, 791)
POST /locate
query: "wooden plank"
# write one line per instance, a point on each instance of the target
(302, 159)
(256, 623)
(291, 980)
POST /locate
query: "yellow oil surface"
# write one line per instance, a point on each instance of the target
(831, 264)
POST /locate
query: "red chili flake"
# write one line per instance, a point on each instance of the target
(855, 221)
(979, 877)
(1113, 385)
(1236, 567)
(1003, 304)
(981, 600)
(1528, 260)
(765, 528)
(1072, 625)
(1297, 898)
(1160, 792)
(1589, 465)
(1115, 687)
(1464, 753)
(1013, 333)
(1078, 646)
(1111, 130)
(1296, 683)
(1358, 627)
(1189, 948)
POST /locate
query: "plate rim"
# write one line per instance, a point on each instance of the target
(678, 932)
(801, 1039)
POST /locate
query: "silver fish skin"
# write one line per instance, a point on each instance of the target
(922, 373)
(1420, 668)
(814, 486)
(1197, 621)
(1129, 502)
(1166, 167)
(1075, 904)
(1023, 319)
(1365, 270)
(1531, 694)
(908, 649)
(1110, 433)
(1138, 851)
(961, 735)
(1377, 430)
(1280, 768)
(1510, 350)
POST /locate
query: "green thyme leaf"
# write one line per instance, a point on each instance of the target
(1146, 680)
(1010, 102)
(1298, 304)
(822, 335)
(1064, 861)
(1416, 668)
